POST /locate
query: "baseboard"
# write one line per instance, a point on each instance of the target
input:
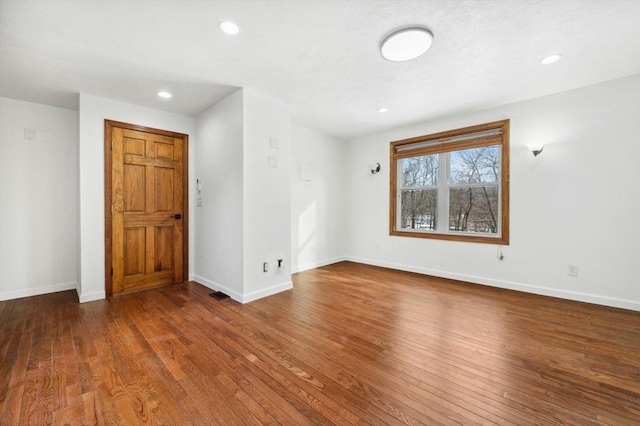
(36, 291)
(278, 288)
(313, 265)
(244, 298)
(509, 285)
(90, 297)
(217, 287)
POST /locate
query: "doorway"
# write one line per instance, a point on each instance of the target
(146, 207)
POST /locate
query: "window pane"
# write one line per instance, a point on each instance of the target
(420, 171)
(475, 165)
(419, 209)
(474, 209)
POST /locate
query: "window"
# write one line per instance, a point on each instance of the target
(452, 185)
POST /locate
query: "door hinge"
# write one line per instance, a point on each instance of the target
(111, 271)
(111, 208)
(112, 144)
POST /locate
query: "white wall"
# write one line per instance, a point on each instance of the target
(38, 199)
(219, 222)
(577, 203)
(317, 200)
(245, 218)
(93, 112)
(267, 196)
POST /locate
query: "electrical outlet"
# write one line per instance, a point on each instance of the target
(572, 270)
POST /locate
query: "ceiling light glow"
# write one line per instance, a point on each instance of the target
(229, 27)
(164, 94)
(406, 44)
(551, 59)
(383, 109)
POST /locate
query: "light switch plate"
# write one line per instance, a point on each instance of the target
(30, 134)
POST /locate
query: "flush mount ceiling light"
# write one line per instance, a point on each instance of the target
(164, 94)
(406, 44)
(229, 27)
(551, 59)
(383, 109)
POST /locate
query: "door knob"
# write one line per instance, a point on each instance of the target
(177, 216)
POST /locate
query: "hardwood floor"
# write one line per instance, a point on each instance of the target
(351, 344)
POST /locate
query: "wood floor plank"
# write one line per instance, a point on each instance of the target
(12, 334)
(18, 359)
(360, 352)
(350, 344)
(402, 370)
(273, 342)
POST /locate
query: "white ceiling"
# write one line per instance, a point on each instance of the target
(321, 57)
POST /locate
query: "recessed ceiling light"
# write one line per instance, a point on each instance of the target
(383, 109)
(164, 94)
(406, 44)
(551, 59)
(229, 27)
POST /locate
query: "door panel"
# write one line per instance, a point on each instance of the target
(134, 251)
(164, 248)
(164, 189)
(134, 146)
(147, 219)
(134, 194)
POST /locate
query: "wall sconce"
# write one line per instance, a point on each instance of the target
(536, 148)
(374, 167)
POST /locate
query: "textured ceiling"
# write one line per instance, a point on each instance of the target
(321, 57)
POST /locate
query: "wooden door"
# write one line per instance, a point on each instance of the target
(148, 199)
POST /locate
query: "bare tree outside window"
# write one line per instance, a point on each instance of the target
(419, 198)
(474, 208)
